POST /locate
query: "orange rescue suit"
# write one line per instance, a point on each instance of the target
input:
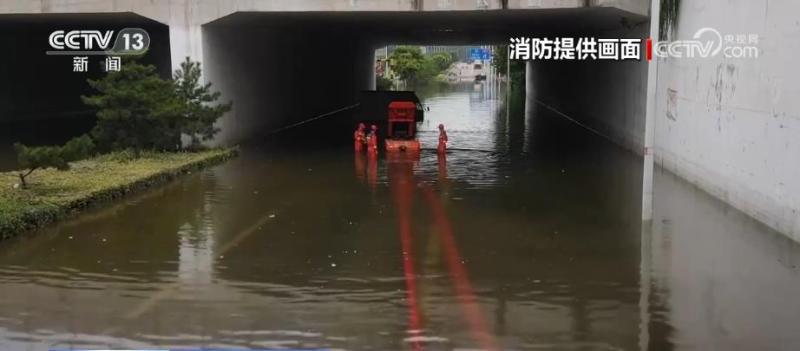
(359, 139)
(442, 140)
(372, 143)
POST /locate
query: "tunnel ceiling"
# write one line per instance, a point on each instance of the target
(446, 27)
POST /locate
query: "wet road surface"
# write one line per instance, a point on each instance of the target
(526, 236)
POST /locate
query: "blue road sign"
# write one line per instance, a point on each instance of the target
(479, 54)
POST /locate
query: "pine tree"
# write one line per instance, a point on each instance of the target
(137, 110)
(200, 110)
(59, 157)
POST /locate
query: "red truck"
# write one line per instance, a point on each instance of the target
(401, 132)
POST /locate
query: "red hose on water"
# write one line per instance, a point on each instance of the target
(403, 192)
(465, 293)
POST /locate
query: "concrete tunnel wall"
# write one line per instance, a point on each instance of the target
(731, 127)
(606, 96)
(282, 75)
(281, 68)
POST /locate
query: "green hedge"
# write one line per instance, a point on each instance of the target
(54, 194)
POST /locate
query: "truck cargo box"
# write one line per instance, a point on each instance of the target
(374, 105)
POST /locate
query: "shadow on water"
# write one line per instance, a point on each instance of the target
(526, 235)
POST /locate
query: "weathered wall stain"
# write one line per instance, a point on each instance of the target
(668, 18)
(736, 137)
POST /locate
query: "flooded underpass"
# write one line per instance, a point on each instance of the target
(525, 236)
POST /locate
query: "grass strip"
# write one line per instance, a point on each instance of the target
(52, 194)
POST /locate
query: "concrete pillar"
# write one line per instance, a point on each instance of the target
(650, 120)
(185, 41)
(185, 34)
(368, 73)
(530, 88)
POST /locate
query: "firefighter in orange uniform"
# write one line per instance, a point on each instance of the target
(359, 137)
(442, 140)
(372, 141)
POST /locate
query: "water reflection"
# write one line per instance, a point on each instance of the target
(524, 236)
(719, 280)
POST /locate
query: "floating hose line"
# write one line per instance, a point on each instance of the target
(312, 119)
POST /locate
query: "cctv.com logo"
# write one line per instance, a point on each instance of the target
(706, 43)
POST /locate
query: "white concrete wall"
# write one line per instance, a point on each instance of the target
(536, 4)
(734, 130)
(204, 11)
(640, 7)
(460, 5)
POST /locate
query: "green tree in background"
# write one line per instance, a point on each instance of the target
(200, 111)
(137, 110)
(412, 66)
(383, 83)
(59, 157)
(442, 60)
(406, 62)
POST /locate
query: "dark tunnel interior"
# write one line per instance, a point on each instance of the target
(40, 98)
(281, 68)
(286, 67)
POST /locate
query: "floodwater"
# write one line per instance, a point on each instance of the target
(526, 236)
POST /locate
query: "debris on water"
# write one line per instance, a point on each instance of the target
(16, 186)
(221, 256)
(104, 240)
(272, 215)
(255, 192)
(458, 198)
(333, 264)
(355, 251)
(69, 237)
(563, 171)
(310, 170)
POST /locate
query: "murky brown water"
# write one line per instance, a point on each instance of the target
(526, 237)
